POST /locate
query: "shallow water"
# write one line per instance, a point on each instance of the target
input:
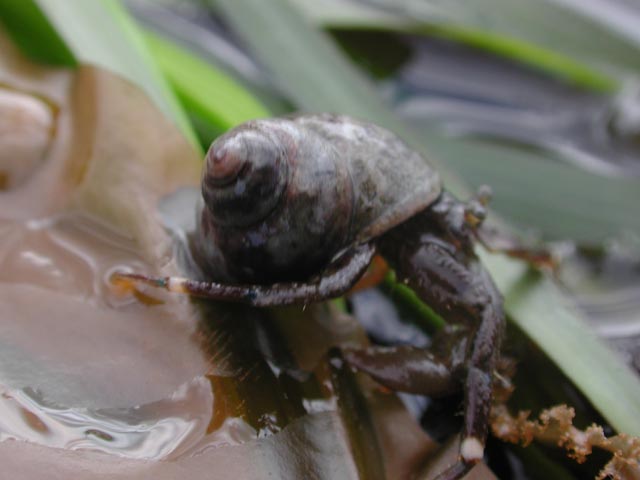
(83, 367)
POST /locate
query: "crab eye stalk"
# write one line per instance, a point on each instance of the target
(244, 178)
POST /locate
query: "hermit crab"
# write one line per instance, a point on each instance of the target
(294, 209)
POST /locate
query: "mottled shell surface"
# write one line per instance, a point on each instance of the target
(391, 182)
(283, 196)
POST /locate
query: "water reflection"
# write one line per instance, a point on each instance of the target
(161, 429)
(82, 366)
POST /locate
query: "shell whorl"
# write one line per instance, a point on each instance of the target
(278, 204)
(245, 175)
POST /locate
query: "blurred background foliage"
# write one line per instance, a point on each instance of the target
(540, 100)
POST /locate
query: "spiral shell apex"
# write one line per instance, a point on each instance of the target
(244, 177)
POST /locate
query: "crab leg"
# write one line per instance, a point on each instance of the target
(335, 280)
(449, 278)
(435, 372)
(500, 242)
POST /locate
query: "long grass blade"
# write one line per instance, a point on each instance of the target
(225, 104)
(464, 28)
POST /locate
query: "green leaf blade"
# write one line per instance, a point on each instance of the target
(224, 104)
(33, 33)
(102, 33)
(591, 53)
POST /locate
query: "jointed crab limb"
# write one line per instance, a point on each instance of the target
(405, 368)
(454, 283)
(500, 242)
(336, 279)
(436, 372)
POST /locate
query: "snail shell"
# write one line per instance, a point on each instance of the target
(283, 196)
